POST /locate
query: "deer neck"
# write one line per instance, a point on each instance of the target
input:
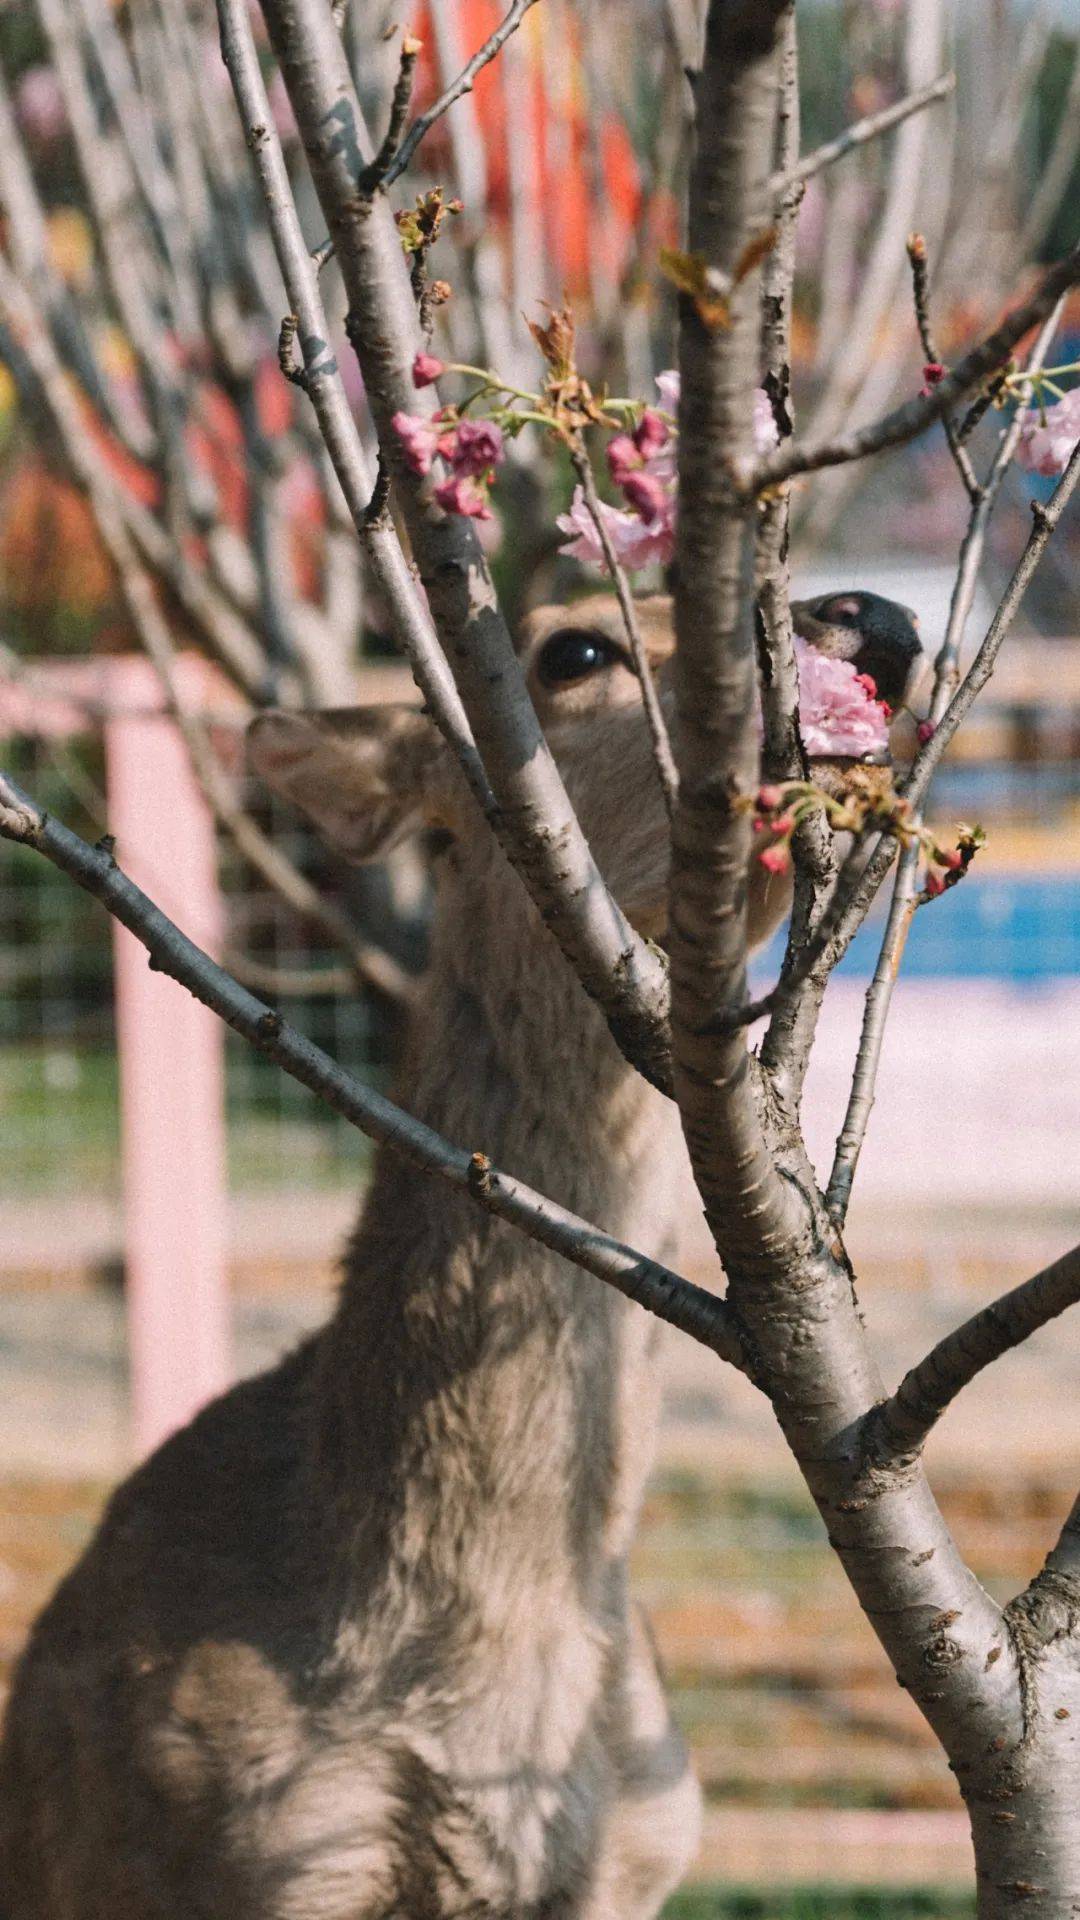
(464, 1356)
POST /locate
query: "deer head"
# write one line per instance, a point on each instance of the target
(369, 776)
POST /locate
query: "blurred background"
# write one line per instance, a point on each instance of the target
(173, 552)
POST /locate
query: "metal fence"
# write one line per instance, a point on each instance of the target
(58, 1069)
(1016, 918)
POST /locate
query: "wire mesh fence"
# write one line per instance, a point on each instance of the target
(1016, 919)
(58, 1068)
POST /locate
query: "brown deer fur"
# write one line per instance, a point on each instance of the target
(357, 1642)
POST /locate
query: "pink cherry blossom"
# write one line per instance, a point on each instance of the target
(1047, 448)
(460, 494)
(426, 368)
(635, 544)
(478, 446)
(650, 435)
(646, 495)
(769, 798)
(643, 465)
(837, 717)
(623, 457)
(925, 731)
(419, 438)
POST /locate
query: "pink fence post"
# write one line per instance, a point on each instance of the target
(171, 1071)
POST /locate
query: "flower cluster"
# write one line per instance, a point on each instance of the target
(1049, 434)
(642, 466)
(840, 715)
(470, 449)
(867, 802)
(640, 454)
(953, 862)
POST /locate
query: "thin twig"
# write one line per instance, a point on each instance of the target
(947, 663)
(879, 995)
(396, 161)
(870, 128)
(653, 1286)
(900, 1425)
(463, 84)
(871, 1039)
(913, 418)
(661, 743)
(1046, 519)
(377, 173)
(980, 406)
(499, 321)
(920, 287)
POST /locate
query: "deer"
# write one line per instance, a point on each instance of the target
(358, 1641)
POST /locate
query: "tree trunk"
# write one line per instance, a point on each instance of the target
(1025, 1810)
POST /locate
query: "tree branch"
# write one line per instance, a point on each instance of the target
(913, 418)
(534, 821)
(795, 1000)
(323, 386)
(920, 287)
(869, 128)
(667, 1294)
(1046, 519)
(789, 1282)
(781, 754)
(904, 901)
(1065, 1556)
(377, 173)
(749, 1207)
(463, 84)
(872, 1035)
(901, 1424)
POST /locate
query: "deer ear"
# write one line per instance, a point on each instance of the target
(362, 774)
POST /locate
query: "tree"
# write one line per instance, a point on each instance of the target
(999, 1686)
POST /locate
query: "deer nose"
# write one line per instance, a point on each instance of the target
(880, 637)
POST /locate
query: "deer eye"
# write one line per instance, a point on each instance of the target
(573, 654)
